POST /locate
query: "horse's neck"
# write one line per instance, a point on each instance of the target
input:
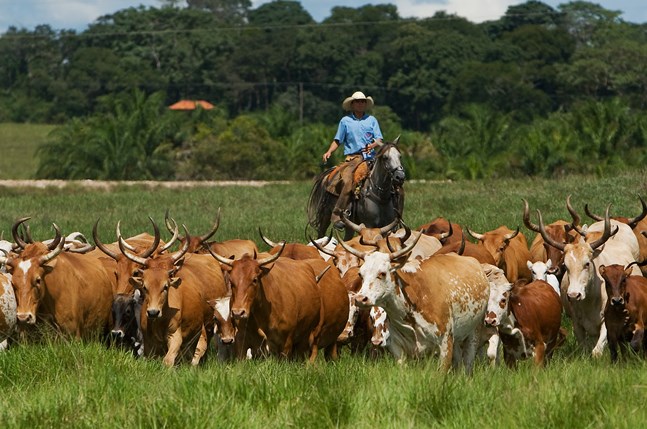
(380, 179)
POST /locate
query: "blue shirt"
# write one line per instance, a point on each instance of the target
(356, 133)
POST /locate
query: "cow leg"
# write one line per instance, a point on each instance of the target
(174, 343)
(509, 358)
(493, 349)
(580, 334)
(446, 352)
(469, 351)
(540, 352)
(331, 352)
(602, 341)
(201, 347)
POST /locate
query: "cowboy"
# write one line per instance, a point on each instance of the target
(359, 133)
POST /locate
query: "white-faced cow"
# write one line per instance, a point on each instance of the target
(543, 271)
(7, 308)
(582, 287)
(440, 307)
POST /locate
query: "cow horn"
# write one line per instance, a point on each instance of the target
(265, 239)
(136, 259)
(156, 240)
(350, 224)
(475, 235)
(221, 259)
(576, 217)
(591, 215)
(546, 237)
(526, 217)
(14, 231)
(99, 244)
(355, 252)
(57, 238)
(213, 229)
(461, 249)
(274, 257)
(321, 274)
(607, 231)
(634, 222)
(444, 235)
(389, 227)
(405, 250)
(510, 236)
(85, 249)
(126, 244)
(185, 248)
(53, 252)
(176, 233)
(321, 248)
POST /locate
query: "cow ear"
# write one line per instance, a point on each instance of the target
(601, 270)
(48, 268)
(175, 282)
(265, 269)
(529, 265)
(212, 303)
(597, 252)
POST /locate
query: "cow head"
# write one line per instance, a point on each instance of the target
(28, 272)
(196, 242)
(125, 315)
(615, 282)
(540, 269)
(245, 278)
(223, 327)
(500, 287)
(378, 283)
(496, 242)
(156, 275)
(579, 256)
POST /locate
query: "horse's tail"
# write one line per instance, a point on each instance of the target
(318, 201)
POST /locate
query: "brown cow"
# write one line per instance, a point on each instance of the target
(444, 230)
(176, 318)
(509, 249)
(625, 314)
(282, 297)
(527, 319)
(71, 291)
(467, 248)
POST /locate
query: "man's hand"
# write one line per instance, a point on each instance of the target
(325, 157)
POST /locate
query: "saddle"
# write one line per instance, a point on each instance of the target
(333, 179)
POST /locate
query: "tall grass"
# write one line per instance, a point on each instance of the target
(67, 383)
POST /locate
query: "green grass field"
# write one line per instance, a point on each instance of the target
(18, 144)
(81, 385)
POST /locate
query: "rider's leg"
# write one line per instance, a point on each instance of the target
(347, 188)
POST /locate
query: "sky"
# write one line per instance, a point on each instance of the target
(77, 14)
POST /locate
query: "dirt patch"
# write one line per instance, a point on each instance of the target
(108, 185)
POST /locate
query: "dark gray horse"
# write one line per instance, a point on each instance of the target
(381, 199)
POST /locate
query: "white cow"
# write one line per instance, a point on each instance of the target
(583, 292)
(440, 307)
(541, 271)
(7, 309)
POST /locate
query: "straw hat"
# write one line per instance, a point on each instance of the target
(358, 95)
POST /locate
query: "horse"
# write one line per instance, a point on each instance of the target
(379, 202)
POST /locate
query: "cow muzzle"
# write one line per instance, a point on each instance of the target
(490, 322)
(239, 313)
(26, 318)
(363, 301)
(575, 296)
(617, 301)
(153, 313)
(117, 334)
(227, 340)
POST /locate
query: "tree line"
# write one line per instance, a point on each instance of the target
(540, 91)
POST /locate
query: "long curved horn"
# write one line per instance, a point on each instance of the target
(634, 222)
(405, 250)
(57, 238)
(221, 259)
(389, 227)
(185, 248)
(576, 217)
(526, 217)
(350, 224)
(126, 244)
(136, 259)
(607, 231)
(53, 252)
(156, 240)
(592, 215)
(176, 233)
(14, 231)
(265, 239)
(321, 248)
(355, 252)
(272, 258)
(546, 237)
(475, 235)
(99, 244)
(3, 258)
(407, 233)
(321, 274)
(213, 229)
(85, 249)
(461, 249)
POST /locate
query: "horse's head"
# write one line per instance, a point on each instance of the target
(389, 156)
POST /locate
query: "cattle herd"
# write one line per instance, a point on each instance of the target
(428, 292)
